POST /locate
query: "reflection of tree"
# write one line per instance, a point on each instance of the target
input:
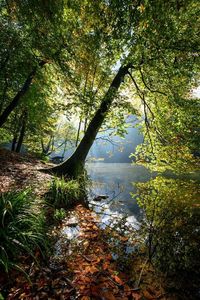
(171, 226)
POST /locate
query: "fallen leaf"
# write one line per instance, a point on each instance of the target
(148, 296)
(117, 279)
(91, 269)
(106, 265)
(95, 290)
(127, 290)
(123, 238)
(108, 295)
(109, 256)
(136, 296)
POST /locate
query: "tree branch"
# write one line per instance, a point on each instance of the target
(142, 97)
(148, 88)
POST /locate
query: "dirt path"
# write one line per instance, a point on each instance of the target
(19, 172)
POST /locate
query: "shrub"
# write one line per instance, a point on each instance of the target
(171, 222)
(64, 194)
(21, 227)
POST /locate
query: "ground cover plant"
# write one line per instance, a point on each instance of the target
(22, 228)
(65, 193)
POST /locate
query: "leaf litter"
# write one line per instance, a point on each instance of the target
(82, 265)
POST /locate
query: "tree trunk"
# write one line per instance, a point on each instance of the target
(46, 149)
(14, 141)
(74, 166)
(78, 132)
(65, 147)
(16, 127)
(22, 133)
(4, 116)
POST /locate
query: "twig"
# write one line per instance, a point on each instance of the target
(86, 258)
(31, 268)
(113, 281)
(69, 282)
(139, 279)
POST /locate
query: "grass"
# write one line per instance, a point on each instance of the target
(22, 226)
(59, 214)
(65, 194)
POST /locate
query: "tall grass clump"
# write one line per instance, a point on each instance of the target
(65, 194)
(22, 226)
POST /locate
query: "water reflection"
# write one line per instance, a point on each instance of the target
(171, 225)
(116, 181)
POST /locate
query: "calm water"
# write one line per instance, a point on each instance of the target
(116, 180)
(170, 204)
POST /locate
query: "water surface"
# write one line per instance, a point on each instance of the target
(116, 180)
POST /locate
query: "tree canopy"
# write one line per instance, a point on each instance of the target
(60, 57)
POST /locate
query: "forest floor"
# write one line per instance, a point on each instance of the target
(82, 264)
(19, 172)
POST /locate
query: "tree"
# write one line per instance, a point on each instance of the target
(170, 226)
(29, 40)
(155, 43)
(167, 54)
(15, 101)
(73, 167)
(153, 51)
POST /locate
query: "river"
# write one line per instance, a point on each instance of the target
(117, 181)
(168, 218)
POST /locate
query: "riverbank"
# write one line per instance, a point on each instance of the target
(86, 259)
(82, 262)
(86, 263)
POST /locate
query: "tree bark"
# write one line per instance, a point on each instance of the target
(22, 133)
(14, 141)
(7, 111)
(46, 149)
(16, 127)
(74, 166)
(78, 132)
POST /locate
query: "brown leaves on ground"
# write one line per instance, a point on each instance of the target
(88, 272)
(95, 272)
(45, 284)
(20, 171)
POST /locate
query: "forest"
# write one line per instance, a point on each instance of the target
(100, 149)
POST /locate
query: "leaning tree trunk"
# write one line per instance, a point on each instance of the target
(74, 166)
(5, 114)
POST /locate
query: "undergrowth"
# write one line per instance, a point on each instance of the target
(22, 228)
(65, 194)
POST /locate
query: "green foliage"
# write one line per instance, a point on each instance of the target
(171, 224)
(172, 139)
(59, 214)
(83, 44)
(22, 227)
(5, 135)
(64, 194)
(166, 60)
